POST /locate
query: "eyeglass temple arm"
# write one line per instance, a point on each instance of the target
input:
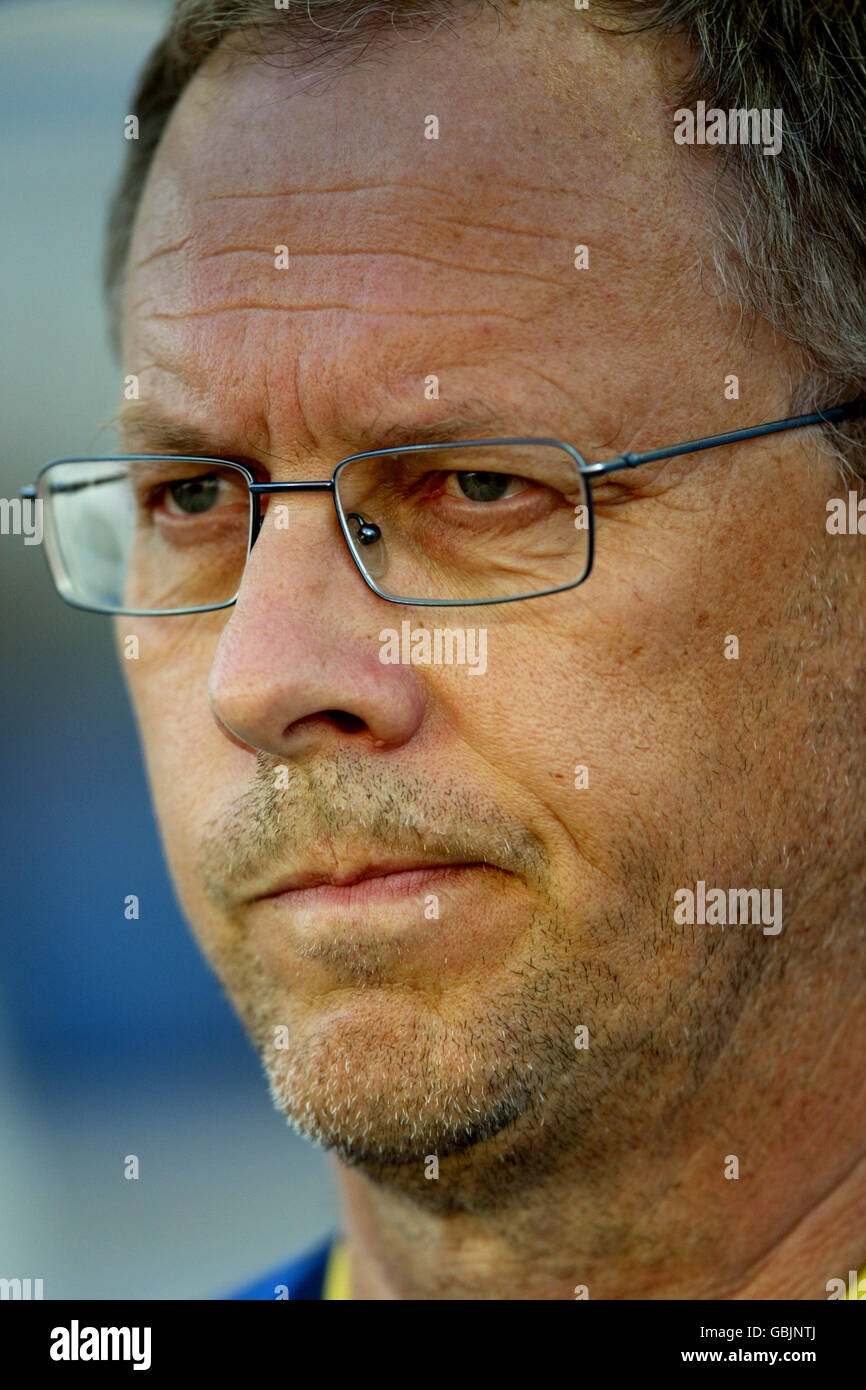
(850, 410)
(30, 491)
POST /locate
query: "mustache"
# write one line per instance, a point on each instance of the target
(346, 807)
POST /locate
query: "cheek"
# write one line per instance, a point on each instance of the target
(589, 722)
(185, 754)
(537, 729)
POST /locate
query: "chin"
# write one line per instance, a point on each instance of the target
(389, 1103)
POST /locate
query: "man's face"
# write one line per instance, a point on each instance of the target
(434, 1009)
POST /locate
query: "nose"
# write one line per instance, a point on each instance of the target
(297, 664)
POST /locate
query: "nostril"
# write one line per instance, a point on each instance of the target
(345, 722)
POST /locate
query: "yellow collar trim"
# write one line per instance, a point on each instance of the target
(337, 1283)
(860, 1295)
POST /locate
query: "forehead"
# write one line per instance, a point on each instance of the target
(350, 221)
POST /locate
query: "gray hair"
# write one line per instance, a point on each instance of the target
(790, 230)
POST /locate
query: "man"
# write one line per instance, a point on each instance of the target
(559, 952)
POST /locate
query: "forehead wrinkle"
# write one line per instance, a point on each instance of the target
(397, 254)
(411, 186)
(376, 310)
(460, 221)
(400, 235)
(479, 281)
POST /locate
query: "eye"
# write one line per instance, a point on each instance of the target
(484, 487)
(191, 496)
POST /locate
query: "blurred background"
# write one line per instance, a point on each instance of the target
(115, 1038)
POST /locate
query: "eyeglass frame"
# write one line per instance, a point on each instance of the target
(847, 411)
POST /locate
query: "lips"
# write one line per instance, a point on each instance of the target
(410, 871)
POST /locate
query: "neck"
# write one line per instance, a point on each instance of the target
(399, 1251)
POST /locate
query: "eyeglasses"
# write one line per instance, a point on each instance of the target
(439, 525)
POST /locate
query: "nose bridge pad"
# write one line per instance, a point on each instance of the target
(369, 544)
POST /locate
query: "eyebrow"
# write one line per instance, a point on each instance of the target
(463, 421)
(165, 436)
